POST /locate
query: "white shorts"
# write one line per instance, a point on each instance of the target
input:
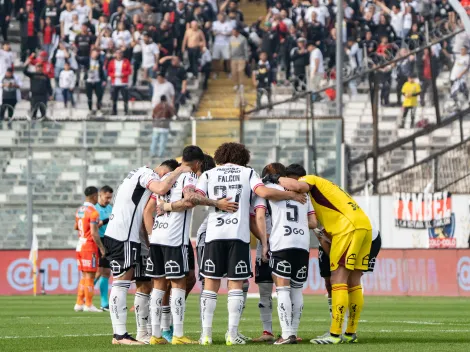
(220, 52)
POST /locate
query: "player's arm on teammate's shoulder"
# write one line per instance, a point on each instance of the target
(149, 211)
(277, 195)
(94, 220)
(294, 185)
(162, 187)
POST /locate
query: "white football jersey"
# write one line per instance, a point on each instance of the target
(129, 203)
(290, 223)
(238, 183)
(172, 228)
(259, 202)
(201, 233)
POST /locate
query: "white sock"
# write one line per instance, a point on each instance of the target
(330, 306)
(284, 310)
(245, 288)
(265, 305)
(156, 299)
(235, 308)
(178, 305)
(208, 304)
(297, 300)
(118, 305)
(166, 317)
(142, 306)
(149, 321)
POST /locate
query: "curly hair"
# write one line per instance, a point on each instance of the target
(233, 153)
(274, 169)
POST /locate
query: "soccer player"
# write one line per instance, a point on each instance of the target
(227, 243)
(122, 239)
(104, 208)
(351, 233)
(88, 249)
(289, 245)
(169, 250)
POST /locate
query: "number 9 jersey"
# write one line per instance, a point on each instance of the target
(238, 183)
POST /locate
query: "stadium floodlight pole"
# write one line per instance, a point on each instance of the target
(339, 57)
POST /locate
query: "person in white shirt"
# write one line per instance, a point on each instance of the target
(66, 19)
(317, 68)
(459, 74)
(396, 18)
(122, 37)
(289, 246)
(67, 81)
(162, 87)
(7, 58)
(150, 54)
(132, 7)
(222, 30)
(323, 15)
(74, 29)
(84, 11)
(407, 21)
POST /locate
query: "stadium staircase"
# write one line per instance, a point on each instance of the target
(220, 101)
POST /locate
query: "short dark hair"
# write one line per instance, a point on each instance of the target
(172, 164)
(208, 163)
(296, 169)
(90, 190)
(274, 169)
(193, 153)
(106, 189)
(234, 153)
(163, 98)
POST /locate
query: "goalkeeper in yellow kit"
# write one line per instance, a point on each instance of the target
(350, 232)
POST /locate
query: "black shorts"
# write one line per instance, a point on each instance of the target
(192, 264)
(374, 252)
(290, 264)
(104, 263)
(230, 258)
(140, 273)
(122, 256)
(263, 272)
(324, 259)
(324, 263)
(169, 262)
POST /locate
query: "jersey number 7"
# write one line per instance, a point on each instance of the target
(221, 192)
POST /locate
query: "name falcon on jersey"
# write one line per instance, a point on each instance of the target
(229, 178)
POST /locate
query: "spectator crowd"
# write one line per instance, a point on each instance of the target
(115, 46)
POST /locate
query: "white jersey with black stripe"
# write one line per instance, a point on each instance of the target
(258, 203)
(129, 203)
(172, 228)
(238, 183)
(290, 223)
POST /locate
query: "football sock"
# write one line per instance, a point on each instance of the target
(141, 304)
(104, 283)
(149, 321)
(208, 304)
(330, 307)
(245, 288)
(235, 309)
(297, 299)
(81, 292)
(118, 305)
(156, 299)
(178, 305)
(166, 318)
(89, 290)
(265, 305)
(284, 310)
(339, 298)
(356, 303)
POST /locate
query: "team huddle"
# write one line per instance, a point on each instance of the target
(147, 240)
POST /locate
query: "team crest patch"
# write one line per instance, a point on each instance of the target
(149, 266)
(365, 260)
(284, 267)
(351, 260)
(209, 266)
(241, 268)
(302, 273)
(115, 267)
(172, 267)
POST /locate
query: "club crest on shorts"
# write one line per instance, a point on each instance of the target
(172, 267)
(365, 260)
(115, 267)
(284, 267)
(149, 266)
(351, 260)
(301, 273)
(241, 268)
(209, 266)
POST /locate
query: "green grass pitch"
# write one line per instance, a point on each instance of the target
(48, 323)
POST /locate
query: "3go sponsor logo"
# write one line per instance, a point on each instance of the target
(463, 273)
(60, 276)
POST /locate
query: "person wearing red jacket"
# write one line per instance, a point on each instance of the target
(119, 70)
(47, 67)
